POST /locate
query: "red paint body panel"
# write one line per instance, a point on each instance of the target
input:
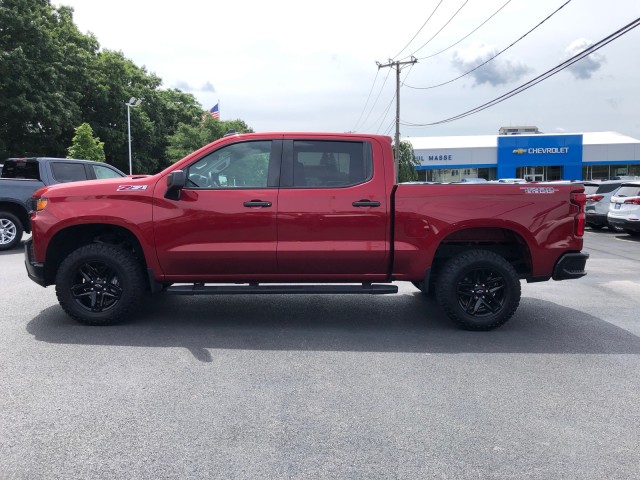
(427, 214)
(310, 234)
(209, 234)
(320, 232)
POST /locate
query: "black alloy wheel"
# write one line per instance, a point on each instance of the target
(478, 289)
(99, 284)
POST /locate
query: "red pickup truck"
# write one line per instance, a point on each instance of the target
(301, 213)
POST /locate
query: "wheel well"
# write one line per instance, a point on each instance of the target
(20, 212)
(72, 238)
(504, 242)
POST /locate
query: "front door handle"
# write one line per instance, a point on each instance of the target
(257, 203)
(366, 203)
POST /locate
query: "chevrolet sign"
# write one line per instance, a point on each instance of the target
(541, 150)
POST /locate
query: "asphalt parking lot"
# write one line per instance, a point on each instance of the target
(327, 387)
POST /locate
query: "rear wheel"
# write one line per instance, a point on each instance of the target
(479, 290)
(10, 231)
(99, 284)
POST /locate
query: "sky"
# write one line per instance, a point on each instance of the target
(302, 66)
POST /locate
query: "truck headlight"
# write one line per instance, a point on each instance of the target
(41, 204)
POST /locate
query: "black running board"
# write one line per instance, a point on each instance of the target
(256, 288)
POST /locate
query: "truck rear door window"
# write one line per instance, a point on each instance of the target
(330, 164)
(68, 171)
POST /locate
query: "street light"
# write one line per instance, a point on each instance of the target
(133, 102)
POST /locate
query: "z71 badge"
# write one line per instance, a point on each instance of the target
(124, 188)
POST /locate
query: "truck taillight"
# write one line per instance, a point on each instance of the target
(579, 199)
(595, 198)
(633, 201)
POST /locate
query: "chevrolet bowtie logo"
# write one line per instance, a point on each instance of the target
(519, 151)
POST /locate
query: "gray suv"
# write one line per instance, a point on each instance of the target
(597, 206)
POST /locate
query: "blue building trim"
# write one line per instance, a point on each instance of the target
(457, 167)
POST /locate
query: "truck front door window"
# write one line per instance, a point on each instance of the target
(240, 165)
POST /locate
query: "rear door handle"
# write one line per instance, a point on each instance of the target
(257, 203)
(366, 203)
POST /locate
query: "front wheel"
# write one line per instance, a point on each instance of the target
(10, 231)
(479, 290)
(99, 284)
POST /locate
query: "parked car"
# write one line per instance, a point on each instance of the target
(511, 180)
(597, 206)
(472, 180)
(624, 209)
(590, 187)
(21, 177)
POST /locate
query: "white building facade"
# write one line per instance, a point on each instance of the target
(539, 157)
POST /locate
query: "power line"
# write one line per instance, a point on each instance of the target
(441, 28)
(468, 34)
(423, 25)
(387, 131)
(377, 98)
(549, 73)
(383, 117)
(493, 57)
(367, 102)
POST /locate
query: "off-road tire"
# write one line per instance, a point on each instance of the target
(11, 229)
(478, 289)
(99, 284)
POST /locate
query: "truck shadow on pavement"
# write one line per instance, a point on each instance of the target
(396, 323)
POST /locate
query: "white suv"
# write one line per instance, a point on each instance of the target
(624, 209)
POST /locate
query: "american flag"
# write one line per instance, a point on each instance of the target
(215, 111)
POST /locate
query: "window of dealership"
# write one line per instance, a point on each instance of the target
(539, 157)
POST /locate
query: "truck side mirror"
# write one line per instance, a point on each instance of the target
(176, 181)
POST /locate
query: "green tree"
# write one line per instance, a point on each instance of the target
(407, 163)
(189, 138)
(85, 145)
(53, 78)
(114, 79)
(42, 77)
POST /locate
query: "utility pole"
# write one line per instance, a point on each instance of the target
(398, 66)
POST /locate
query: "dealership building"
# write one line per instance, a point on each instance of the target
(520, 152)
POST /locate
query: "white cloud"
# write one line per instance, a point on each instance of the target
(208, 87)
(496, 72)
(279, 67)
(585, 68)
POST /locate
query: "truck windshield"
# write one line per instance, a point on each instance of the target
(21, 168)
